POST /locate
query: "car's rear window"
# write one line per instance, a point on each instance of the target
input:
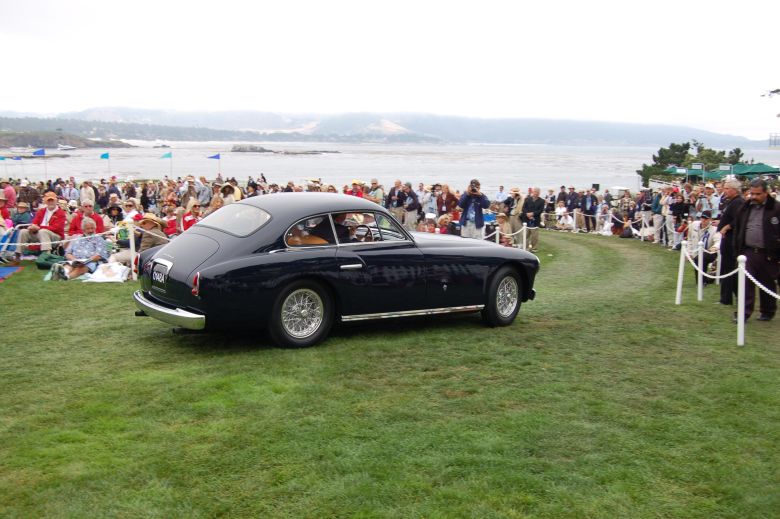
(237, 219)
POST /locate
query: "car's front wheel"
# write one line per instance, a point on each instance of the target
(503, 298)
(302, 315)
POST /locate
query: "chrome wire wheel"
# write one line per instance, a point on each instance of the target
(302, 313)
(507, 296)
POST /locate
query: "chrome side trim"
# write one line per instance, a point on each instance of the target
(412, 313)
(354, 266)
(174, 316)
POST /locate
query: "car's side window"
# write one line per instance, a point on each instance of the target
(388, 229)
(309, 232)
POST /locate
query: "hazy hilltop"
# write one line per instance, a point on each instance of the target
(131, 123)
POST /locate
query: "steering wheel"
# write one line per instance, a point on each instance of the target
(368, 235)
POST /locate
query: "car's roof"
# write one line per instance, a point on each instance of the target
(280, 204)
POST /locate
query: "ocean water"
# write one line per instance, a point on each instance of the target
(523, 166)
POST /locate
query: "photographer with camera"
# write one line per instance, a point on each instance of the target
(472, 202)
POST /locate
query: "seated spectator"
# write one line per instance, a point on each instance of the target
(5, 214)
(502, 226)
(169, 219)
(131, 209)
(115, 215)
(22, 215)
(152, 235)
(87, 211)
(564, 221)
(47, 226)
(83, 254)
(192, 216)
(216, 203)
(444, 224)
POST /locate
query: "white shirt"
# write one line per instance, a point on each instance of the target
(47, 216)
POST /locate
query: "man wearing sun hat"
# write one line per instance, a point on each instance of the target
(48, 224)
(22, 215)
(151, 228)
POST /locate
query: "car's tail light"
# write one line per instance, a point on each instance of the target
(196, 284)
(135, 263)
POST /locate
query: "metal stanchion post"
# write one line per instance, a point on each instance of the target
(681, 273)
(700, 274)
(741, 260)
(132, 251)
(525, 236)
(717, 280)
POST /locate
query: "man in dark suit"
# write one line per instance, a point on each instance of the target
(757, 236)
(732, 203)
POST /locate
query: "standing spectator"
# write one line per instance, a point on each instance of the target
(395, 201)
(658, 217)
(588, 204)
(29, 194)
(446, 202)
(572, 203)
(500, 195)
(732, 197)
(411, 207)
(69, 192)
(86, 192)
(8, 190)
(608, 198)
(376, 192)
(532, 216)
(472, 202)
(757, 235)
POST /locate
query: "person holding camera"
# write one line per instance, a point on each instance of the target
(472, 202)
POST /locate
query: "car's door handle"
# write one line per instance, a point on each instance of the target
(353, 266)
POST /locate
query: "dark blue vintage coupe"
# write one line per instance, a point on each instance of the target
(297, 262)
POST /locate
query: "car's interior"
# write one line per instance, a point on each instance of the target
(350, 227)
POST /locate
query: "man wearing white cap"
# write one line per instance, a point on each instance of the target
(709, 201)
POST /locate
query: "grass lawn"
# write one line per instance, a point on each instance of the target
(603, 399)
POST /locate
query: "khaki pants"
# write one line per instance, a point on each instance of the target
(410, 220)
(469, 230)
(398, 213)
(514, 221)
(122, 257)
(43, 236)
(533, 238)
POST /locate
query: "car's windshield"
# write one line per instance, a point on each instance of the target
(237, 219)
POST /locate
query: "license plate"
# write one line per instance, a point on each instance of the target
(159, 276)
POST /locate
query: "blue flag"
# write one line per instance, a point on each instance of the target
(39, 153)
(2, 158)
(214, 156)
(16, 158)
(168, 155)
(104, 156)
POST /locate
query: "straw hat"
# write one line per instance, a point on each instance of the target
(23, 204)
(514, 191)
(151, 217)
(501, 215)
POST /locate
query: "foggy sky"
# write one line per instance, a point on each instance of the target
(702, 64)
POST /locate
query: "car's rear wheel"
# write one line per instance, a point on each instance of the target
(503, 298)
(302, 315)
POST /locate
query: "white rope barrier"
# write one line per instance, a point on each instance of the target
(762, 287)
(741, 272)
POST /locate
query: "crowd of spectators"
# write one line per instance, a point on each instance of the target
(61, 210)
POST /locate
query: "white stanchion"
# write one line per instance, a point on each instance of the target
(717, 281)
(525, 236)
(131, 225)
(741, 260)
(699, 274)
(574, 224)
(642, 230)
(681, 273)
(498, 234)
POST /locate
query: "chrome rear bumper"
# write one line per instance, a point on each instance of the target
(174, 316)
